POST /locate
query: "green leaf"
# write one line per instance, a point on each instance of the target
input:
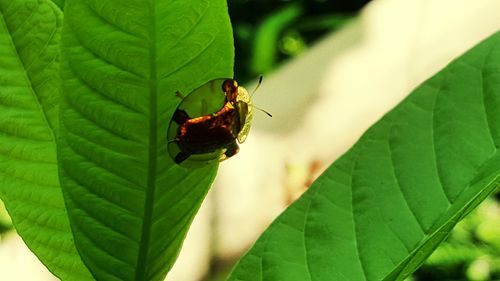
(59, 3)
(123, 61)
(380, 210)
(267, 37)
(29, 82)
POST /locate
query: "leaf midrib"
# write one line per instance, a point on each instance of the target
(152, 148)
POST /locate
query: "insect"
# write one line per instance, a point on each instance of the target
(210, 122)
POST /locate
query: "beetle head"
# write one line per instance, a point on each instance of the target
(230, 88)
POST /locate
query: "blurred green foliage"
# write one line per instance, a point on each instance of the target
(267, 32)
(471, 252)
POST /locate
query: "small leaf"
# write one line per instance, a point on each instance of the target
(123, 61)
(380, 210)
(29, 83)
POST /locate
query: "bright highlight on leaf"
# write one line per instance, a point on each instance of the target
(384, 206)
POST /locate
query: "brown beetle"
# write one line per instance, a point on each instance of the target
(197, 136)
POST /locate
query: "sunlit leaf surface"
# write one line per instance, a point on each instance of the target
(123, 61)
(29, 79)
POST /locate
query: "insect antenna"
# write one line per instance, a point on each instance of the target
(258, 85)
(260, 109)
(253, 92)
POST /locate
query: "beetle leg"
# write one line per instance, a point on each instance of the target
(180, 116)
(181, 156)
(232, 149)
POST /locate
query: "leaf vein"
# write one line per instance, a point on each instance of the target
(111, 23)
(105, 60)
(37, 183)
(92, 216)
(487, 116)
(130, 212)
(93, 121)
(187, 62)
(76, 135)
(101, 94)
(46, 45)
(433, 143)
(304, 241)
(399, 187)
(28, 18)
(356, 242)
(192, 27)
